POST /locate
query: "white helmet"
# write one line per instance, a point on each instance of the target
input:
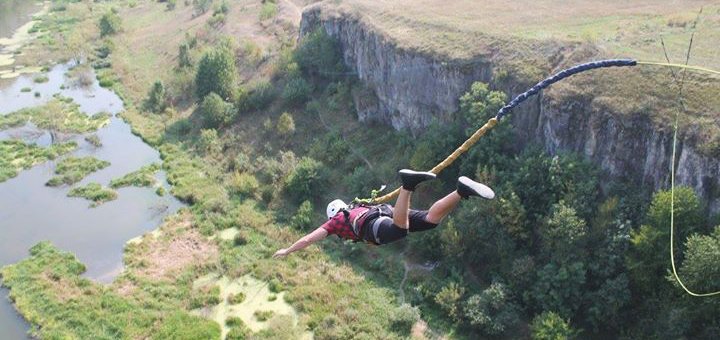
(334, 207)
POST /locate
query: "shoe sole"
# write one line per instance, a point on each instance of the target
(429, 175)
(480, 189)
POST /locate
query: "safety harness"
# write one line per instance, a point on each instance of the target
(374, 212)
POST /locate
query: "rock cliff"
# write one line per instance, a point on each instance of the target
(408, 90)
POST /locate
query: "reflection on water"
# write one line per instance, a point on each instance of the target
(31, 212)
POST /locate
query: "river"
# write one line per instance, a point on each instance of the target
(31, 212)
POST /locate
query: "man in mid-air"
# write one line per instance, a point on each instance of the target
(383, 224)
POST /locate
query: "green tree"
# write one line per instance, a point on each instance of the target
(303, 218)
(305, 180)
(700, 270)
(215, 111)
(647, 258)
(286, 124)
(449, 299)
(110, 23)
(550, 326)
(559, 287)
(156, 99)
(209, 141)
(296, 91)
(216, 73)
(491, 312)
(184, 57)
(563, 234)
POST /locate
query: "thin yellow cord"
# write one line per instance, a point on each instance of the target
(672, 218)
(689, 67)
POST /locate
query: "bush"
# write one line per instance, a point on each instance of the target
(449, 300)
(184, 57)
(215, 111)
(261, 95)
(296, 91)
(268, 11)
(285, 124)
(550, 326)
(110, 23)
(403, 318)
(171, 4)
(303, 218)
(209, 141)
(235, 299)
(275, 285)
(217, 73)
(264, 315)
(305, 180)
(491, 312)
(244, 184)
(156, 99)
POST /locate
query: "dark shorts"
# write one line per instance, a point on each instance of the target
(382, 230)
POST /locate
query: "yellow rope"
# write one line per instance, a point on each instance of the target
(450, 159)
(689, 67)
(672, 219)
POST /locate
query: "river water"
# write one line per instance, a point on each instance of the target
(31, 212)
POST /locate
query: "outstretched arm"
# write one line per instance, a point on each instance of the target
(317, 235)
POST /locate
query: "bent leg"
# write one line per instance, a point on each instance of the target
(443, 207)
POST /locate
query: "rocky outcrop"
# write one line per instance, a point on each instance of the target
(408, 90)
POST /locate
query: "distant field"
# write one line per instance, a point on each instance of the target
(468, 28)
(529, 40)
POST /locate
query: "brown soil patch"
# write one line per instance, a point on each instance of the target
(179, 247)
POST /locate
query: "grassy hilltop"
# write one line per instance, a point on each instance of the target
(527, 41)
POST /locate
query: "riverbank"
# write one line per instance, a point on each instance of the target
(12, 46)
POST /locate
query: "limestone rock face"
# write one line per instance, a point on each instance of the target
(408, 90)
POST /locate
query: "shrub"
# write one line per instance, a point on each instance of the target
(41, 79)
(305, 180)
(110, 23)
(286, 124)
(550, 326)
(184, 57)
(201, 6)
(263, 315)
(403, 318)
(215, 111)
(244, 184)
(261, 95)
(449, 300)
(235, 299)
(303, 218)
(296, 91)
(268, 11)
(156, 99)
(217, 73)
(171, 4)
(275, 285)
(238, 333)
(491, 312)
(209, 141)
